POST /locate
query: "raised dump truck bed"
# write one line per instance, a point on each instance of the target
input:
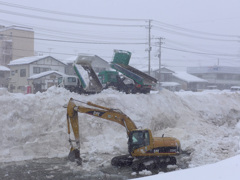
(135, 74)
(121, 63)
(93, 85)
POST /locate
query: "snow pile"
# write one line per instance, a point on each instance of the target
(206, 123)
(83, 73)
(227, 169)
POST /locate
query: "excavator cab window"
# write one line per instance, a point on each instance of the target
(138, 139)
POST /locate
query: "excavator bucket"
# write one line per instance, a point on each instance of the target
(74, 156)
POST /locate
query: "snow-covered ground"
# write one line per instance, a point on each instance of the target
(224, 170)
(207, 124)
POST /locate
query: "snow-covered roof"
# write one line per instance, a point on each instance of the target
(214, 69)
(188, 77)
(16, 27)
(29, 60)
(3, 68)
(144, 68)
(37, 76)
(167, 84)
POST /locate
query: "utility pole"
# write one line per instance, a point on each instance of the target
(149, 46)
(159, 57)
(50, 50)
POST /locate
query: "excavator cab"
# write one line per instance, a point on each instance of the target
(138, 139)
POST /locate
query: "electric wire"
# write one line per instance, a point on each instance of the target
(66, 21)
(195, 31)
(158, 26)
(66, 14)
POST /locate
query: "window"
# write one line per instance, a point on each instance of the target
(22, 72)
(138, 139)
(22, 88)
(53, 77)
(2, 74)
(71, 79)
(45, 69)
(12, 73)
(36, 70)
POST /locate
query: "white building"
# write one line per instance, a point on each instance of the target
(222, 77)
(189, 82)
(23, 68)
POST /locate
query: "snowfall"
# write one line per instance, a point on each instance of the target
(206, 123)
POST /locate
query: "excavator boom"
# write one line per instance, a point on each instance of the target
(114, 115)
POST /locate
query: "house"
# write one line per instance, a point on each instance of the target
(4, 75)
(189, 82)
(23, 68)
(15, 42)
(222, 77)
(165, 74)
(42, 81)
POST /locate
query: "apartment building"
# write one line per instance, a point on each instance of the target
(15, 42)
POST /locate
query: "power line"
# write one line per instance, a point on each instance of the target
(195, 36)
(68, 54)
(66, 14)
(160, 26)
(78, 42)
(188, 47)
(66, 21)
(202, 53)
(195, 31)
(77, 34)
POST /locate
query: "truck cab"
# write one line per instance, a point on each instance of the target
(70, 83)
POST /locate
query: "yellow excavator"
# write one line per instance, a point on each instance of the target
(145, 151)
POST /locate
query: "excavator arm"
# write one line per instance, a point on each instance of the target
(113, 115)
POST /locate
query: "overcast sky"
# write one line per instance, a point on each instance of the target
(196, 33)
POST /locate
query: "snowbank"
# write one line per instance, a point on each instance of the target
(227, 169)
(206, 123)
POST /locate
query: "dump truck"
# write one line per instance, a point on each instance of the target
(85, 81)
(143, 83)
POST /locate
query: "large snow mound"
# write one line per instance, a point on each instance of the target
(34, 125)
(226, 169)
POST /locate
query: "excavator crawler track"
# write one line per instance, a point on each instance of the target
(150, 163)
(123, 160)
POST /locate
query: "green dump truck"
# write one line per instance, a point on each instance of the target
(142, 82)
